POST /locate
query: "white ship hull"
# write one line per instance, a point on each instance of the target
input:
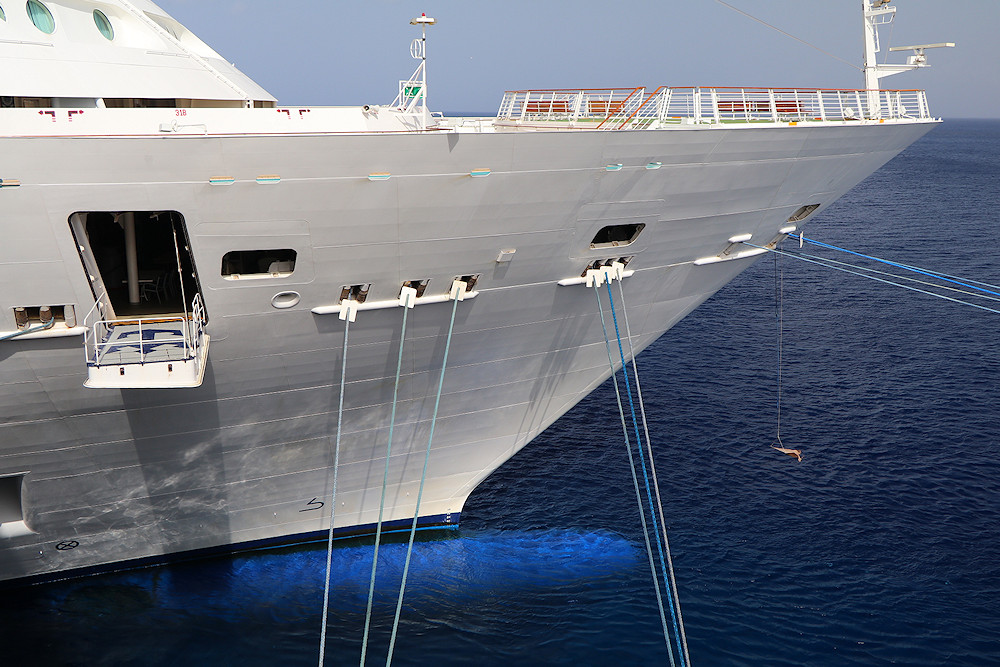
(116, 477)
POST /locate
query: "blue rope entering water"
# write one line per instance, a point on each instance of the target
(420, 491)
(333, 496)
(385, 483)
(652, 472)
(635, 482)
(645, 474)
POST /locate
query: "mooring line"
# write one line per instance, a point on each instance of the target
(635, 481)
(333, 495)
(645, 473)
(908, 267)
(385, 483)
(656, 484)
(420, 491)
(984, 295)
(869, 277)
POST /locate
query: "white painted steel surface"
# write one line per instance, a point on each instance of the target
(133, 473)
(354, 200)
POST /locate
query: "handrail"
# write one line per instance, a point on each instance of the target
(190, 334)
(616, 109)
(654, 95)
(638, 95)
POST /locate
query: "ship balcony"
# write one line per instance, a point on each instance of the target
(145, 353)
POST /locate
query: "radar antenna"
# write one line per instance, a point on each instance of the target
(878, 13)
(412, 98)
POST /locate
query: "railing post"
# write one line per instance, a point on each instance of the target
(822, 108)
(774, 107)
(577, 105)
(696, 100)
(715, 106)
(663, 105)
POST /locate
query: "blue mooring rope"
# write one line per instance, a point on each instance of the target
(645, 475)
(385, 483)
(916, 269)
(420, 491)
(827, 265)
(652, 472)
(635, 482)
(333, 496)
(35, 329)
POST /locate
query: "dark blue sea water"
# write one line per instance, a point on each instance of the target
(881, 547)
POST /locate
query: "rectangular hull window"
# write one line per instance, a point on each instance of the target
(617, 235)
(249, 264)
(803, 213)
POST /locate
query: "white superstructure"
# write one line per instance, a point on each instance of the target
(181, 254)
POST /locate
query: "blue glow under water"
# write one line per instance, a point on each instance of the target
(882, 547)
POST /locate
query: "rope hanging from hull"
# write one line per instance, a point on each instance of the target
(645, 473)
(333, 495)
(635, 481)
(679, 624)
(779, 318)
(458, 294)
(407, 302)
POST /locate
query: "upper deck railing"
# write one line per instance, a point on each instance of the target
(634, 108)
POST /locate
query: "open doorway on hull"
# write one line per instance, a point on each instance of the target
(140, 259)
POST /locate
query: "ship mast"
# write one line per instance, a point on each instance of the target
(878, 13)
(419, 51)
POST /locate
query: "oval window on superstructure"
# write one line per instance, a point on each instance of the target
(41, 17)
(103, 24)
(3, 17)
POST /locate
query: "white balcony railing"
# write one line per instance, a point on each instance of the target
(633, 108)
(147, 351)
